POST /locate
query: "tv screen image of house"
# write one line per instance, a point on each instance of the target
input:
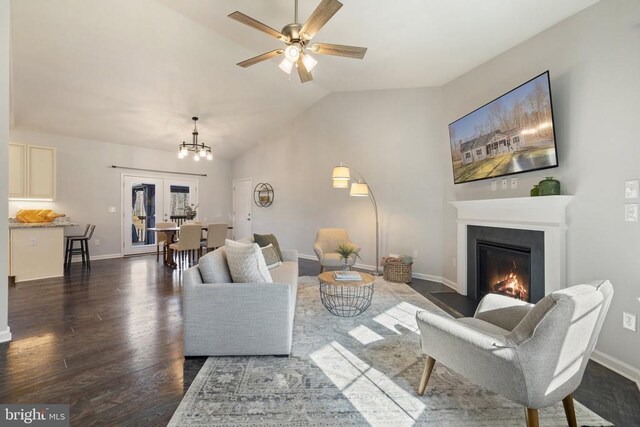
(511, 134)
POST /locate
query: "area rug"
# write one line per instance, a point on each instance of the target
(350, 372)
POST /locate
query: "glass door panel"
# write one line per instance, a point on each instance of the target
(143, 203)
(179, 196)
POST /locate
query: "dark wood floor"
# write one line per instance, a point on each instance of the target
(109, 342)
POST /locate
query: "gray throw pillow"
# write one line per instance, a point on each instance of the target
(213, 267)
(246, 263)
(264, 240)
(271, 257)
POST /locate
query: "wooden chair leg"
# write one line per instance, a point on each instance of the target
(532, 417)
(428, 368)
(570, 411)
(157, 253)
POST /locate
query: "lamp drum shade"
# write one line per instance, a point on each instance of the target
(341, 173)
(340, 183)
(359, 189)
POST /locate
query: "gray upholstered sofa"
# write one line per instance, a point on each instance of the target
(222, 318)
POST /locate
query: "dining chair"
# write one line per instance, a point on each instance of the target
(189, 244)
(162, 239)
(216, 235)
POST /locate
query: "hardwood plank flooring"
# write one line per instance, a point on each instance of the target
(109, 343)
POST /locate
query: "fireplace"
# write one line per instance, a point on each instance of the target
(505, 261)
(537, 223)
(504, 269)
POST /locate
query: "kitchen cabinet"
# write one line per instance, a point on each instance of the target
(17, 171)
(32, 172)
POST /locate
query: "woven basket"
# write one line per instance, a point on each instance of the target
(398, 272)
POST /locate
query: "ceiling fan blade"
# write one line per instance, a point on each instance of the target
(305, 76)
(260, 58)
(339, 50)
(247, 20)
(325, 10)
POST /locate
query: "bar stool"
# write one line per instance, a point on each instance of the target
(82, 250)
(67, 242)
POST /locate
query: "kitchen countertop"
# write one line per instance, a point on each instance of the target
(41, 224)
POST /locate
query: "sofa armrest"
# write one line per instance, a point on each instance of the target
(486, 359)
(192, 276)
(449, 332)
(237, 318)
(318, 250)
(502, 311)
(289, 255)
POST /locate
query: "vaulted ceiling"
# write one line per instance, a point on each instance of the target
(135, 71)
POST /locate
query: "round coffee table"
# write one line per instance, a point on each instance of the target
(346, 298)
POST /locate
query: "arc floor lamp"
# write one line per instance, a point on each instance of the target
(359, 188)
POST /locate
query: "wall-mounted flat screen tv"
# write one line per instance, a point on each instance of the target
(511, 134)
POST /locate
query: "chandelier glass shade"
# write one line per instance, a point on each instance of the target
(199, 150)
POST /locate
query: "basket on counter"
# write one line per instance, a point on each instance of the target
(394, 270)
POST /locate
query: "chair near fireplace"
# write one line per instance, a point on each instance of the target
(534, 355)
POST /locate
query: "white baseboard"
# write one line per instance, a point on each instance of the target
(438, 279)
(98, 257)
(305, 256)
(5, 335)
(422, 276)
(617, 366)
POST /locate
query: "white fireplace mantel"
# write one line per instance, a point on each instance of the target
(545, 213)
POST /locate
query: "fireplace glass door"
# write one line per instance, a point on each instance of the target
(504, 270)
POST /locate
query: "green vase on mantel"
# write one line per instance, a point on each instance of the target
(534, 191)
(549, 187)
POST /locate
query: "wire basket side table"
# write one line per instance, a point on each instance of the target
(346, 298)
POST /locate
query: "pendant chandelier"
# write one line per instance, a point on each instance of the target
(198, 150)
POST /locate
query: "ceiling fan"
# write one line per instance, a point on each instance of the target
(297, 36)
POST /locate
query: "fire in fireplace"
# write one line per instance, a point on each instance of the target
(504, 269)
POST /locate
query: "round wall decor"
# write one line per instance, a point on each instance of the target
(263, 195)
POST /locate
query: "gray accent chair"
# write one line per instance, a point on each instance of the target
(328, 240)
(222, 318)
(534, 355)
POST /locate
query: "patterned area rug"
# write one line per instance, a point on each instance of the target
(350, 372)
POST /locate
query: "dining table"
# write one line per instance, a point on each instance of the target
(171, 233)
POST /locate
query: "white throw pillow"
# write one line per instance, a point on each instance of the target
(246, 263)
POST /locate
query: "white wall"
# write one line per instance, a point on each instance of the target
(4, 174)
(392, 138)
(594, 62)
(88, 186)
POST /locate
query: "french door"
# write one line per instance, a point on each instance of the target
(147, 201)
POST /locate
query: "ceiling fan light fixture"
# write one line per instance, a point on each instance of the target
(286, 66)
(196, 157)
(292, 52)
(309, 62)
(209, 156)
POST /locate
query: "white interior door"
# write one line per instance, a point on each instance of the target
(242, 200)
(142, 207)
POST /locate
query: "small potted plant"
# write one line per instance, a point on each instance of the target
(191, 212)
(345, 251)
